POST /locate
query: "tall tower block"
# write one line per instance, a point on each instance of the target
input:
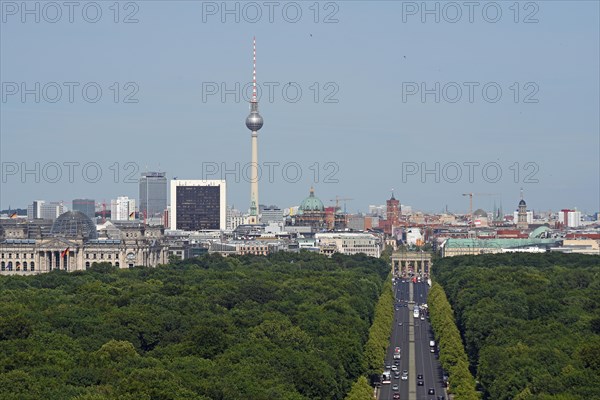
(522, 214)
(254, 122)
(393, 210)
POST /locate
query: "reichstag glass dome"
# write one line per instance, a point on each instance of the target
(74, 224)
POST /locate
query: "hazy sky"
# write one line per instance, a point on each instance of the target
(386, 92)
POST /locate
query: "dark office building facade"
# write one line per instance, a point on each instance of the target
(153, 194)
(199, 205)
(86, 206)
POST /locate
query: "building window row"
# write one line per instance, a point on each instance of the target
(17, 266)
(95, 256)
(16, 255)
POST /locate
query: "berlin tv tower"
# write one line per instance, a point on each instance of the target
(254, 122)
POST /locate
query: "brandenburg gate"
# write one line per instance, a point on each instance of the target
(407, 263)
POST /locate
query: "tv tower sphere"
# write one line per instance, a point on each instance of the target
(254, 121)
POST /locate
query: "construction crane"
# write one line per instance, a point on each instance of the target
(337, 202)
(471, 201)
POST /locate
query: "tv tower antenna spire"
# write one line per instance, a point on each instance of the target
(254, 122)
(254, 69)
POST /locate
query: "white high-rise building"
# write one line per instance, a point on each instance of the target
(35, 210)
(122, 209)
(51, 210)
(43, 210)
(234, 218)
(570, 218)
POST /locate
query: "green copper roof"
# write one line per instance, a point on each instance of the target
(311, 203)
(538, 231)
(496, 243)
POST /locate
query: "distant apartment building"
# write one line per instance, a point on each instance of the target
(580, 246)
(271, 214)
(198, 205)
(43, 210)
(356, 222)
(371, 222)
(153, 194)
(86, 206)
(379, 211)
(122, 209)
(569, 218)
(234, 219)
(254, 248)
(348, 243)
(34, 210)
(52, 210)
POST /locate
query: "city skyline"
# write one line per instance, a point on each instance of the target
(179, 127)
(491, 205)
(421, 218)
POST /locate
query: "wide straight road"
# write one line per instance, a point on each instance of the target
(427, 362)
(423, 362)
(399, 338)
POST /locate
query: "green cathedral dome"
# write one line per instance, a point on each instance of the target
(311, 203)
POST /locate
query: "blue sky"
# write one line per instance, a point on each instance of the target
(368, 61)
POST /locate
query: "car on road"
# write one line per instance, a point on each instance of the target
(431, 391)
(399, 323)
(420, 376)
(396, 395)
(422, 317)
(388, 367)
(405, 375)
(397, 362)
(394, 367)
(395, 386)
(440, 398)
(419, 383)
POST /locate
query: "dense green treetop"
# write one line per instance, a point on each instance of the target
(530, 322)
(286, 326)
